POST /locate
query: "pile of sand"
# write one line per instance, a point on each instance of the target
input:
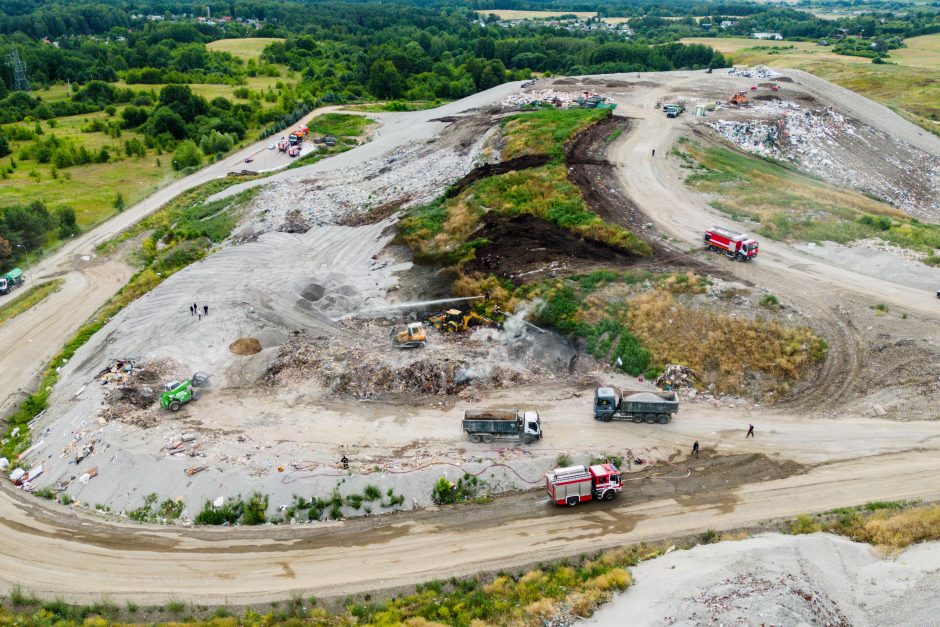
(245, 346)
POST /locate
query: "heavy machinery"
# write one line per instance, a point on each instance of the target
(730, 243)
(484, 425)
(456, 321)
(178, 394)
(636, 405)
(282, 144)
(11, 280)
(293, 151)
(580, 484)
(739, 99)
(412, 336)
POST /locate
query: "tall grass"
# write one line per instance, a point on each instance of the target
(546, 132)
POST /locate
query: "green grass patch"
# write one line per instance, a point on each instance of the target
(339, 125)
(441, 231)
(397, 106)
(788, 205)
(32, 297)
(545, 132)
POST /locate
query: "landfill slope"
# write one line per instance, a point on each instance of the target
(773, 579)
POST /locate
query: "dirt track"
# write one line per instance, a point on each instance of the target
(62, 552)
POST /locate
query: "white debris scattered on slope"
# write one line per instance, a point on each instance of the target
(774, 579)
(410, 176)
(562, 98)
(827, 143)
(758, 71)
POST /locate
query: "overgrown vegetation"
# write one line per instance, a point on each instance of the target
(467, 488)
(32, 297)
(788, 205)
(634, 321)
(310, 509)
(891, 524)
(546, 132)
(442, 231)
(236, 511)
(166, 511)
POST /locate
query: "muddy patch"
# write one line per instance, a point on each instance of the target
(525, 249)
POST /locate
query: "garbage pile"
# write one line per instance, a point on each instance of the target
(676, 377)
(541, 98)
(345, 372)
(758, 71)
(136, 389)
(827, 143)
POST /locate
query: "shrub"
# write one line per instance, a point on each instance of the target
(563, 460)
(769, 301)
(187, 155)
(372, 493)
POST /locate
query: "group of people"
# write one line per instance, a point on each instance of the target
(750, 434)
(194, 310)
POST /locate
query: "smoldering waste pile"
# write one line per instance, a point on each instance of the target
(368, 368)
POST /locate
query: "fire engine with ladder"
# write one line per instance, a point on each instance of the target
(732, 244)
(580, 484)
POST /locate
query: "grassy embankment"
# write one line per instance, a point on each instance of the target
(397, 106)
(523, 599)
(909, 83)
(32, 297)
(442, 231)
(789, 205)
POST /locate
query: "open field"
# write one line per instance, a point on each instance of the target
(89, 189)
(510, 14)
(921, 51)
(247, 48)
(911, 88)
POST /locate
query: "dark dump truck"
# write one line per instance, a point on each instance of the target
(636, 405)
(485, 425)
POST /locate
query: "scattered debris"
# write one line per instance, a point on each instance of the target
(192, 470)
(676, 377)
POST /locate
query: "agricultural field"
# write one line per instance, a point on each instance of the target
(908, 83)
(510, 14)
(245, 48)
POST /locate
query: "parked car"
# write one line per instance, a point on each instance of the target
(271, 146)
(249, 159)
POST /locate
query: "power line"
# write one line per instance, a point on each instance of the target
(20, 79)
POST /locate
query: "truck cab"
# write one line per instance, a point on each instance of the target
(532, 424)
(605, 402)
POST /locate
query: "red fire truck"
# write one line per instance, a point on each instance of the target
(282, 144)
(293, 151)
(736, 245)
(577, 484)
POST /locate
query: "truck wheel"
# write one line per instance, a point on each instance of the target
(572, 501)
(196, 395)
(475, 437)
(663, 419)
(175, 406)
(638, 418)
(607, 418)
(650, 419)
(609, 495)
(487, 438)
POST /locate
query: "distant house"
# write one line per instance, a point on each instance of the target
(706, 25)
(728, 23)
(772, 36)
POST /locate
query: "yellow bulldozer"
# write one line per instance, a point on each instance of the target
(456, 321)
(412, 336)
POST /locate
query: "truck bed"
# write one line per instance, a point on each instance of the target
(490, 414)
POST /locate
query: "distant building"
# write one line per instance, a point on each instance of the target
(773, 36)
(728, 23)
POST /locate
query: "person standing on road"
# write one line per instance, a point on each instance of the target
(195, 307)
(205, 310)
(654, 152)
(695, 448)
(192, 311)
(750, 431)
